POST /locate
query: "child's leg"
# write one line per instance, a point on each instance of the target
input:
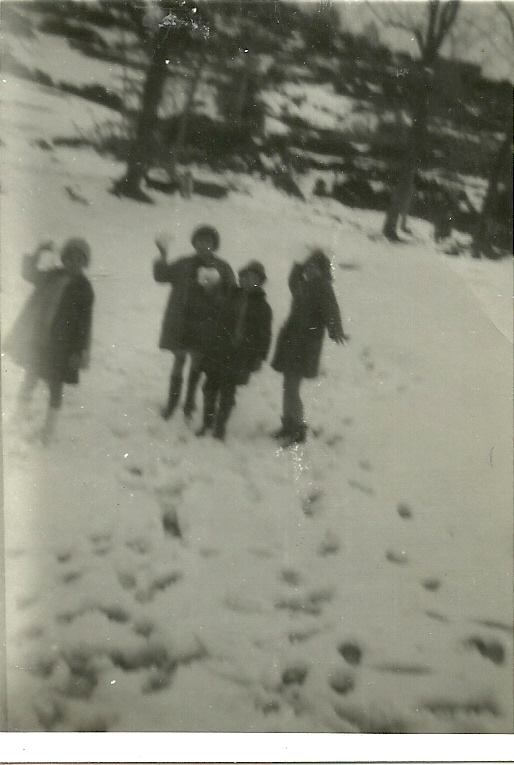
(175, 385)
(211, 390)
(292, 403)
(54, 404)
(195, 371)
(293, 425)
(26, 389)
(227, 403)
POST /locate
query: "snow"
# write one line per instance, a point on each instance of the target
(318, 105)
(155, 581)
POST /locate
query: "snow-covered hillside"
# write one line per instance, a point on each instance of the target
(155, 581)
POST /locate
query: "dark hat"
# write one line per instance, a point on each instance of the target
(322, 261)
(76, 244)
(206, 231)
(255, 266)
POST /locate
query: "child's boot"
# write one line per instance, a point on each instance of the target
(48, 430)
(220, 426)
(173, 397)
(284, 430)
(209, 409)
(297, 435)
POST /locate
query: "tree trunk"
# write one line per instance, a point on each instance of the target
(130, 184)
(180, 140)
(402, 195)
(482, 243)
(242, 91)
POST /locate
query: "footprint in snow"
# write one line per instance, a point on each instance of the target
(404, 669)
(399, 557)
(311, 502)
(63, 557)
(361, 487)
(437, 616)
(208, 552)
(341, 681)
(300, 636)
(135, 470)
(33, 632)
(70, 576)
(351, 652)
(295, 675)
(334, 439)
(115, 613)
(488, 648)
(83, 677)
(144, 627)
(495, 625)
(329, 545)
(100, 538)
(170, 523)
(127, 580)
(101, 543)
(432, 584)
(119, 431)
(291, 577)
(447, 708)
(311, 604)
(404, 511)
(159, 584)
(139, 545)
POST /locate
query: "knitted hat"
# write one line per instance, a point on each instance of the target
(257, 268)
(76, 244)
(206, 231)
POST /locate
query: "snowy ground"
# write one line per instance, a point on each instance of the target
(361, 583)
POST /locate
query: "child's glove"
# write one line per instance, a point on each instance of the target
(339, 337)
(48, 245)
(163, 241)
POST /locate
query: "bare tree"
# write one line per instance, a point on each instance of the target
(501, 165)
(428, 24)
(166, 35)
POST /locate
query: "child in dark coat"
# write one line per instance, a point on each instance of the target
(198, 283)
(235, 346)
(51, 336)
(298, 350)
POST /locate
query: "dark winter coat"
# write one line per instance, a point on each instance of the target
(300, 340)
(239, 338)
(189, 305)
(53, 330)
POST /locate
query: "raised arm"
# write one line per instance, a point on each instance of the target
(29, 267)
(164, 271)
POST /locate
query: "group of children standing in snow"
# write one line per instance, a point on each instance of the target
(222, 327)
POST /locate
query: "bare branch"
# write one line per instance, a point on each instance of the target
(507, 16)
(392, 21)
